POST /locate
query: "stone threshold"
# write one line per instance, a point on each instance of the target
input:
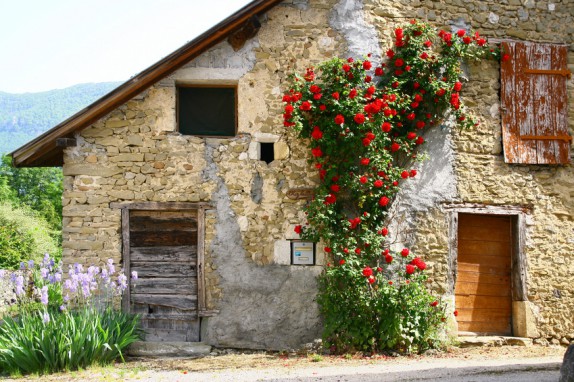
(168, 349)
(466, 341)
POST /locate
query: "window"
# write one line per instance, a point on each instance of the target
(534, 103)
(207, 111)
(267, 152)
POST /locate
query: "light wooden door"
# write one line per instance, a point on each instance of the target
(483, 296)
(163, 250)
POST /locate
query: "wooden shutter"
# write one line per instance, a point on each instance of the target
(534, 103)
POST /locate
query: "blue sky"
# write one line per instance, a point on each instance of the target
(50, 44)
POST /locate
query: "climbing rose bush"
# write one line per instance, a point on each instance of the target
(363, 123)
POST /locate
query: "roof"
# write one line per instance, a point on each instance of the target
(43, 151)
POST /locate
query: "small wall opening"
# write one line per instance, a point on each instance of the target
(267, 152)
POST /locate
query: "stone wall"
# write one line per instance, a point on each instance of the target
(136, 154)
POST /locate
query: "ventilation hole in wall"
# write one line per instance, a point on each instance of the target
(267, 153)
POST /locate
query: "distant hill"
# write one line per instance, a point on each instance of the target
(27, 115)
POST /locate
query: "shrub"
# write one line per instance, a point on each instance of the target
(23, 236)
(363, 123)
(65, 325)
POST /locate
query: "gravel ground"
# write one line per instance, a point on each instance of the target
(507, 363)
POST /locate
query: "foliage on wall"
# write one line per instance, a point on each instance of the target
(363, 123)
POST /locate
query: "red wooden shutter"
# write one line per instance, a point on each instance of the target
(534, 103)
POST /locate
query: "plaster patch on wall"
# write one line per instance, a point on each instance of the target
(348, 19)
(271, 307)
(435, 183)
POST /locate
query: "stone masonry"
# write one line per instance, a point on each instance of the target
(136, 154)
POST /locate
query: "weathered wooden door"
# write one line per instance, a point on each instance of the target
(163, 250)
(483, 286)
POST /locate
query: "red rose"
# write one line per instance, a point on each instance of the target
(316, 134)
(335, 188)
(346, 68)
(383, 201)
(298, 229)
(305, 106)
(317, 96)
(358, 251)
(386, 127)
(379, 71)
(405, 252)
(434, 303)
(398, 33)
(460, 32)
(395, 147)
(327, 249)
(411, 135)
(370, 135)
(317, 152)
(330, 199)
(420, 124)
(371, 280)
(342, 261)
(339, 119)
(405, 174)
(335, 95)
(363, 179)
(378, 183)
(413, 173)
(365, 161)
(366, 142)
(410, 269)
(480, 42)
(420, 141)
(427, 43)
(367, 65)
(467, 40)
(390, 53)
(440, 92)
(455, 313)
(359, 118)
(457, 86)
(379, 269)
(367, 272)
(353, 93)
(399, 62)
(286, 98)
(388, 258)
(288, 109)
(385, 231)
(315, 89)
(322, 107)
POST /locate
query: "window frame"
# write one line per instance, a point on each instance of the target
(210, 86)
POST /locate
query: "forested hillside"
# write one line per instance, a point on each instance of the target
(25, 116)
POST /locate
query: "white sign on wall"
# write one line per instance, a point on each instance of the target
(302, 253)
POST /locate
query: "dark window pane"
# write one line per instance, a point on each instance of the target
(267, 153)
(206, 111)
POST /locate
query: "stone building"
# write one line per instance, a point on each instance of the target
(206, 215)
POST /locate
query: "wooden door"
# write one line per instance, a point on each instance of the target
(163, 250)
(483, 286)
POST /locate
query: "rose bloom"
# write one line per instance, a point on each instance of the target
(371, 280)
(460, 32)
(383, 201)
(405, 174)
(455, 313)
(379, 71)
(378, 183)
(434, 303)
(405, 252)
(367, 272)
(365, 161)
(316, 134)
(399, 62)
(339, 119)
(366, 142)
(390, 53)
(367, 65)
(440, 92)
(457, 86)
(314, 89)
(353, 93)
(420, 141)
(395, 147)
(342, 261)
(322, 107)
(335, 188)
(335, 95)
(467, 40)
(359, 118)
(388, 258)
(427, 43)
(411, 135)
(413, 173)
(410, 269)
(398, 33)
(346, 68)
(305, 106)
(327, 249)
(385, 231)
(358, 251)
(317, 152)
(420, 124)
(330, 199)
(424, 55)
(363, 179)
(298, 229)
(386, 127)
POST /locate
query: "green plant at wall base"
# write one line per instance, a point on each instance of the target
(60, 325)
(363, 124)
